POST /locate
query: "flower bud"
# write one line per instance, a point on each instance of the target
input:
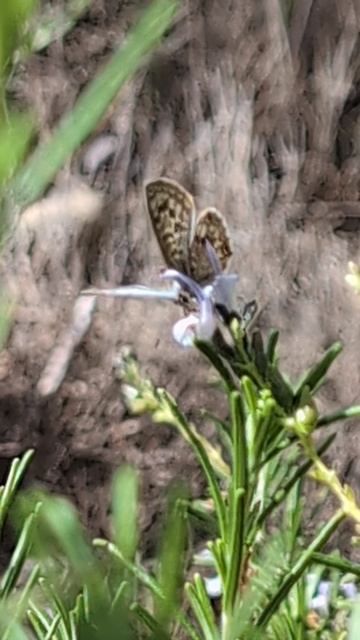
(306, 416)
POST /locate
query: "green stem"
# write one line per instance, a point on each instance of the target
(345, 566)
(271, 346)
(204, 602)
(138, 572)
(19, 555)
(249, 393)
(299, 568)
(238, 504)
(207, 626)
(209, 352)
(282, 491)
(149, 621)
(205, 463)
(144, 577)
(217, 550)
(15, 476)
(322, 474)
(276, 450)
(343, 414)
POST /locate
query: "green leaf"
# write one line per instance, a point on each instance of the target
(280, 388)
(41, 168)
(200, 605)
(171, 560)
(202, 451)
(15, 476)
(10, 629)
(218, 363)
(19, 555)
(298, 569)
(157, 632)
(13, 17)
(59, 520)
(6, 315)
(271, 346)
(298, 472)
(268, 566)
(315, 376)
(125, 491)
(336, 562)
(238, 500)
(257, 346)
(137, 571)
(354, 622)
(342, 414)
(15, 135)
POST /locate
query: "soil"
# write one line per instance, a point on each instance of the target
(263, 127)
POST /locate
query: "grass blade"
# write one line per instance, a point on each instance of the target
(38, 172)
(124, 509)
(15, 476)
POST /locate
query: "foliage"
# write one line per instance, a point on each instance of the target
(269, 572)
(15, 128)
(255, 468)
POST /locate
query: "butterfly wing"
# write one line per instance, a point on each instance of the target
(205, 261)
(172, 212)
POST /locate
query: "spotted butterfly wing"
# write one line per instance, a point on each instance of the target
(172, 212)
(210, 248)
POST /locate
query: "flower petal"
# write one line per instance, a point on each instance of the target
(184, 281)
(213, 587)
(184, 331)
(224, 290)
(207, 321)
(202, 326)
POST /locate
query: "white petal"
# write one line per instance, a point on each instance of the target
(224, 289)
(207, 322)
(213, 587)
(349, 590)
(321, 604)
(184, 331)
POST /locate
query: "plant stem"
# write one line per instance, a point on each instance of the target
(238, 497)
(343, 414)
(345, 566)
(321, 473)
(299, 568)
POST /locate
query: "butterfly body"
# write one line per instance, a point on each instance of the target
(183, 236)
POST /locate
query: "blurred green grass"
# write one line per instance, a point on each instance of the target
(40, 169)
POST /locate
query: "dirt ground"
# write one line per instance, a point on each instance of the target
(256, 119)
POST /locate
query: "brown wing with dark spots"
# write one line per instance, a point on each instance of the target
(210, 226)
(172, 212)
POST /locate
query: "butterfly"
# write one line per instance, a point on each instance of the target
(197, 245)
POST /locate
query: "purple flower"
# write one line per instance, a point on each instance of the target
(201, 325)
(349, 590)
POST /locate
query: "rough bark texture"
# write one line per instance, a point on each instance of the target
(256, 113)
